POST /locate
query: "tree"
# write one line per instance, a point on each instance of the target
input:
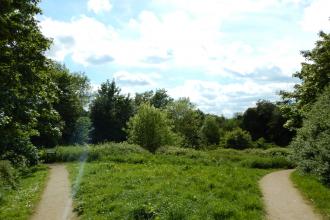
(187, 121)
(312, 143)
(266, 121)
(26, 91)
(109, 113)
(72, 92)
(73, 95)
(159, 99)
(81, 131)
(237, 139)
(314, 76)
(210, 131)
(150, 128)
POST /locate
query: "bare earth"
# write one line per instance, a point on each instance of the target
(283, 201)
(56, 202)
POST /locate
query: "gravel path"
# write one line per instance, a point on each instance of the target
(282, 199)
(56, 202)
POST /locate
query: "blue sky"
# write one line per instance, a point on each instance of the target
(223, 55)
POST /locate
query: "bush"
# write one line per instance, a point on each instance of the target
(150, 128)
(8, 175)
(311, 147)
(237, 139)
(210, 131)
(267, 163)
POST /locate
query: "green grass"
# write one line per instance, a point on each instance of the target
(19, 203)
(122, 181)
(111, 190)
(317, 193)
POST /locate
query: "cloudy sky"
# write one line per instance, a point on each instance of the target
(224, 55)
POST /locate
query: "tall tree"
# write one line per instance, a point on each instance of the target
(109, 113)
(314, 76)
(187, 121)
(72, 92)
(26, 92)
(266, 121)
(159, 99)
(210, 130)
(311, 147)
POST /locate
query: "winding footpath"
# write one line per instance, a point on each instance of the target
(56, 202)
(283, 201)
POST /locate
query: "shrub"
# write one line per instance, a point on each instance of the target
(210, 131)
(267, 163)
(150, 128)
(237, 139)
(8, 175)
(311, 147)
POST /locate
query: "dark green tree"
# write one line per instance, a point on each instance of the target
(314, 77)
(72, 92)
(109, 113)
(81, 130)
(26, 91)
(159, 99)
(266, 121)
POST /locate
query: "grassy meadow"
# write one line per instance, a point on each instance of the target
(19, 202)
(121, 181)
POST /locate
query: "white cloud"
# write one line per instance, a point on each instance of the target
(98, 6)
(187, 35)
(136, 79)
(226, 99)
(90, 39)
(316, 16)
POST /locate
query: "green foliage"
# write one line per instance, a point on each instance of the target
(316, 193)
(158, 99)
(8, 177)
(268, 163)
(312, 143)
(315, 77)
(150, 128)
(109, 114)
(81, 130)
(19, 203)
(237, 139)
(266, 121)
(73, 95)
(26, 92)
(210, 131)
(180, 112)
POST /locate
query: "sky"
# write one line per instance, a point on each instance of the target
(224, 55)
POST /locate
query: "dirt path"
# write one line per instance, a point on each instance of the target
(56, 202)
(282, 199)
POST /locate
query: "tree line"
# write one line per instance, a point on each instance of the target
(43, 104)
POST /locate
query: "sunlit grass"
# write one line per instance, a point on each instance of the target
(19, 203)
(317, 193)
(110, 190)
(122, 181)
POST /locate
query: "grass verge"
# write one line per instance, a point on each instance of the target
(317, 193)
(19, 203)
